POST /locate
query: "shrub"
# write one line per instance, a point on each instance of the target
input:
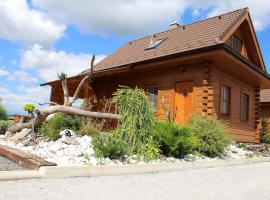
(212, 136)
(60, 122)
(89, 127)
(72, 122)
(30, 108)
(176, 140)
(3, 112)
(52, 127)
(150, 150)
(264, 131)
(136, 116)
(109, 145)
(4, 126)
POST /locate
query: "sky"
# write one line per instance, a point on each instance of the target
(42, 38)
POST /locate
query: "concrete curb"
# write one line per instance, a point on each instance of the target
(19, 175)
(93, 171)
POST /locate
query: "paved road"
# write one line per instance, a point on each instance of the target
(247, 182)
(8, 165)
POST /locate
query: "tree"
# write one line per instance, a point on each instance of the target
(3, 111)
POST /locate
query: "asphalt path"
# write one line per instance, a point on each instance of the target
(8, 165)
(246, 182)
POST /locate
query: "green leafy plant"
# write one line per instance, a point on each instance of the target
(176, 140)
(3, 112)
(212, 136)
(58, 123)
(109, 145)
(150, 150)
(52, 128)
(264, 131)
(4, 126)
(72, 122)
(30, 108)
(89, 127)
(136, 116)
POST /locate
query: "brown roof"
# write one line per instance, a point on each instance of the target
(197, 35)
(265, 96)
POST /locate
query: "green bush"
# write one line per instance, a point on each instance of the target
(30, 108)
(212, 136)
(264, 131)
(3, 112)
(58, 123)
(72, 122)
(109, 145)
(4, 126)
(150, 150)
(136, 116)
(89, 127)
(176, 140)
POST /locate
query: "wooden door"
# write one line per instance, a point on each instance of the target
(183, 102)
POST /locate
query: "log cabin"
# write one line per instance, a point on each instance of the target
(212, 67)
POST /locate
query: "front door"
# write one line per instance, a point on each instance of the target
(183, 102)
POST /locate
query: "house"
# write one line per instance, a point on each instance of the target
(213, 68)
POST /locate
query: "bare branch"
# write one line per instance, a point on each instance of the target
(48, 103)
(168, 113)
(76, 95)
(83, 81)
(65, 89)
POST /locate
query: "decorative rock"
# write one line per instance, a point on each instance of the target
(190, 158)
(68, 137)
(20, 135)
(71, 149)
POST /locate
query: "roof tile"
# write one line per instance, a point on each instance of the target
(184, 38)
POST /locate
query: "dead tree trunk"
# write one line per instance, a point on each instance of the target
(56, 109)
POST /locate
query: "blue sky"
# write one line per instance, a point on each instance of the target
(41, 38)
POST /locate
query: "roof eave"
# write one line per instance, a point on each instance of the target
(194, 51)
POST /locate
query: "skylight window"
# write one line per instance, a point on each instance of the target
(154, 44)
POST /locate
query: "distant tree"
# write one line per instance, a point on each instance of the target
(29, 107)
(3, 111)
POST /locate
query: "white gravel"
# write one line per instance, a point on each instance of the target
(77, 150)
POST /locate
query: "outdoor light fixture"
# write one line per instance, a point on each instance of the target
(182, 68)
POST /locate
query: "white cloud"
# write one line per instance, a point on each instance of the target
(49, 63)
(14, 100)
(23, 77)
(27, 26)
(3, 72)
(119, 17)
(260, 12)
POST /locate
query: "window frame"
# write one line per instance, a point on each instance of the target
(246, 119)
(154, 97)
(154, 44)
(235, 38)
(225, 114)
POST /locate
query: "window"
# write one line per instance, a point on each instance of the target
(225, 100)
(244, 107)
(154, 44)
(152, 92)
(236, 44)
